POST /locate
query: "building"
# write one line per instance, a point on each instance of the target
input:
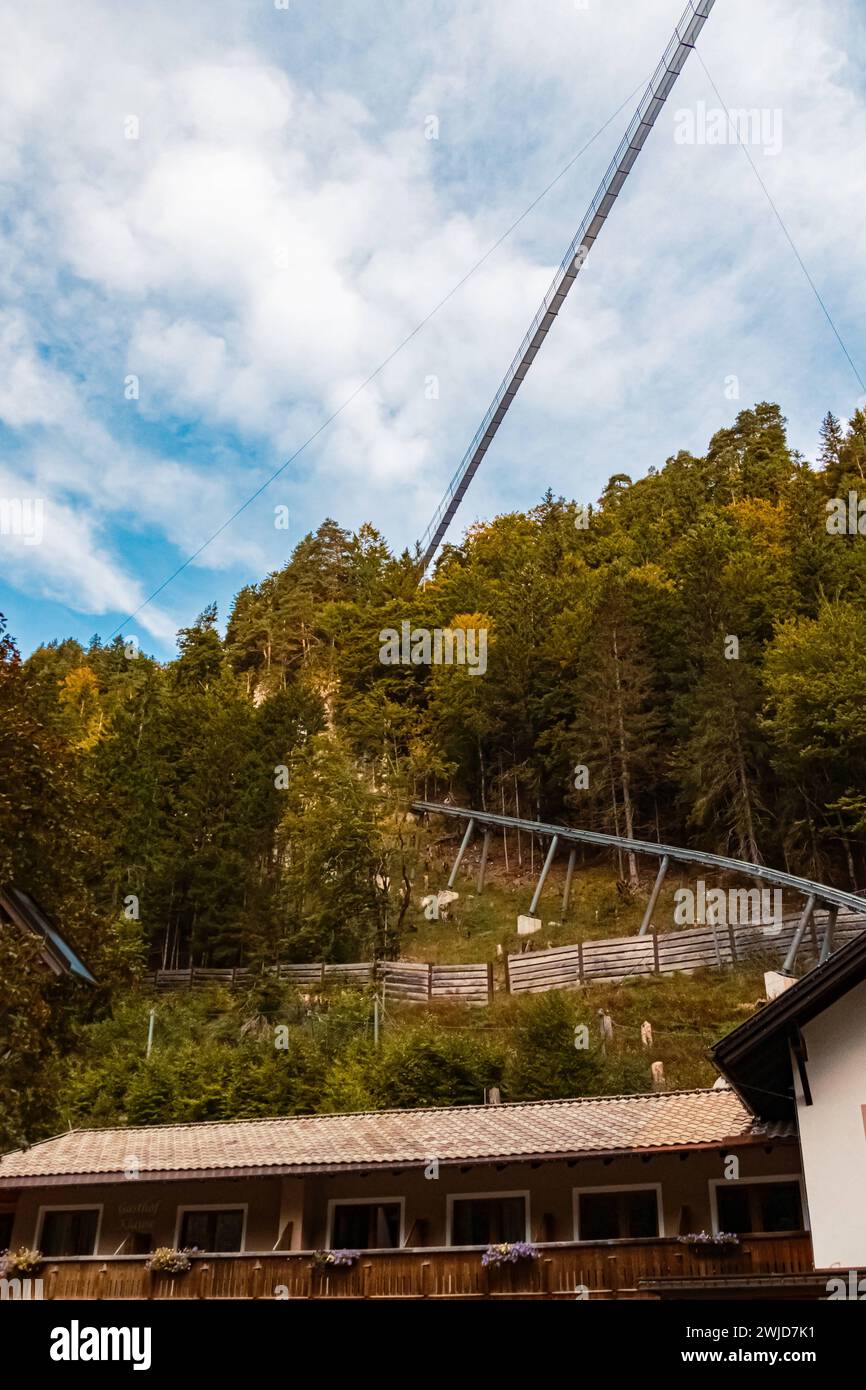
(803, 1059)
(756, 1188)
(19, 911)
(605, 1187)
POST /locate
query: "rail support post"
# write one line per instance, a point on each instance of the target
(566, 892)
(544, 872)
(827, 943)
(654, 896)
(483, 865)
(460, 853)
(799, 934)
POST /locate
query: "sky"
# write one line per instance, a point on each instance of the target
(218, 218)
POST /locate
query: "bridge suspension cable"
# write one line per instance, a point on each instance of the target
(673, 61)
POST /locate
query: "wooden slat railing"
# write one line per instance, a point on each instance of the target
(410, 981)
(624, 957)
(611, 1269)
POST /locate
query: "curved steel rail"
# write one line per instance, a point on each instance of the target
(820, 892)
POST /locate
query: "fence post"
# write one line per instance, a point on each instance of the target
(430, 981)
(732, 937)
(507, 975)
(580, 962)
(656, 964)
(489, 981)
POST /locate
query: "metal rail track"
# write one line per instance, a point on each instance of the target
(777, 877)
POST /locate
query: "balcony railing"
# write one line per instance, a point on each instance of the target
(611, 1269)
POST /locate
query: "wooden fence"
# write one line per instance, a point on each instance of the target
(663, 953)
(616, 958)
(401, 980)
(609, 1269)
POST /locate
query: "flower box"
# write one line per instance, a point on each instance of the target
(326, 1260)
(168, 1261)
(509, 1253)
(20, 1263)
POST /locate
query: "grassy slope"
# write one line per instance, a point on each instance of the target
(214, 1054)
(477, 924)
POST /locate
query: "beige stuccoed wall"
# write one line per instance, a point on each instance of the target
(833, 1131)
(275, 1202)
(684, 1183)
(118, 1201)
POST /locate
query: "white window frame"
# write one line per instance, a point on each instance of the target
(98, 1207)
(480, 1197)
(214, 1206)
(335, 1202)
(655, 1187)
(716, 1183)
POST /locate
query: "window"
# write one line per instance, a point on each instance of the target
(749, 1207)
(614, 1213)
(489, 1220)
(137, 1243)
(7, 1221)
(213, 1229)
(368, 1225)
(69, 1232)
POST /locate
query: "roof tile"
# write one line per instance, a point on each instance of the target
(308, 1143)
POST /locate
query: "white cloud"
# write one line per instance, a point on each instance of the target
(281, 223)
(59, 554)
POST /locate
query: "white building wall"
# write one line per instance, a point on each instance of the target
(833, 1131)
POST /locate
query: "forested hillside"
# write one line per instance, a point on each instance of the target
(695, 639)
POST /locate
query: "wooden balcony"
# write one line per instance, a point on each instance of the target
(613, 1269)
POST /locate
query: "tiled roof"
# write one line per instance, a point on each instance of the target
(329, 1143)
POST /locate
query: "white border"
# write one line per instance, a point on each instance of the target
(214, 1206)
(656, 1187)
(716, 1183)
(480, 1197)
(335, 1202)
(71, 1206)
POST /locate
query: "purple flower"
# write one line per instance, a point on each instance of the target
(508, 1253)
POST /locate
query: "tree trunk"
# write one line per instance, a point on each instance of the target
(624, 769)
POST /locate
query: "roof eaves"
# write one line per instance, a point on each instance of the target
(300, 1170)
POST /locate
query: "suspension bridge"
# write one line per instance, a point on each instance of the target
(650, 106)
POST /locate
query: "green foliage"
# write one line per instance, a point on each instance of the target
(248, 800)
(547, 1065)
(26, 1042)
(330, 849)
(269, 1051)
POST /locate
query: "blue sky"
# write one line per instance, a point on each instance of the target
(280, 220)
